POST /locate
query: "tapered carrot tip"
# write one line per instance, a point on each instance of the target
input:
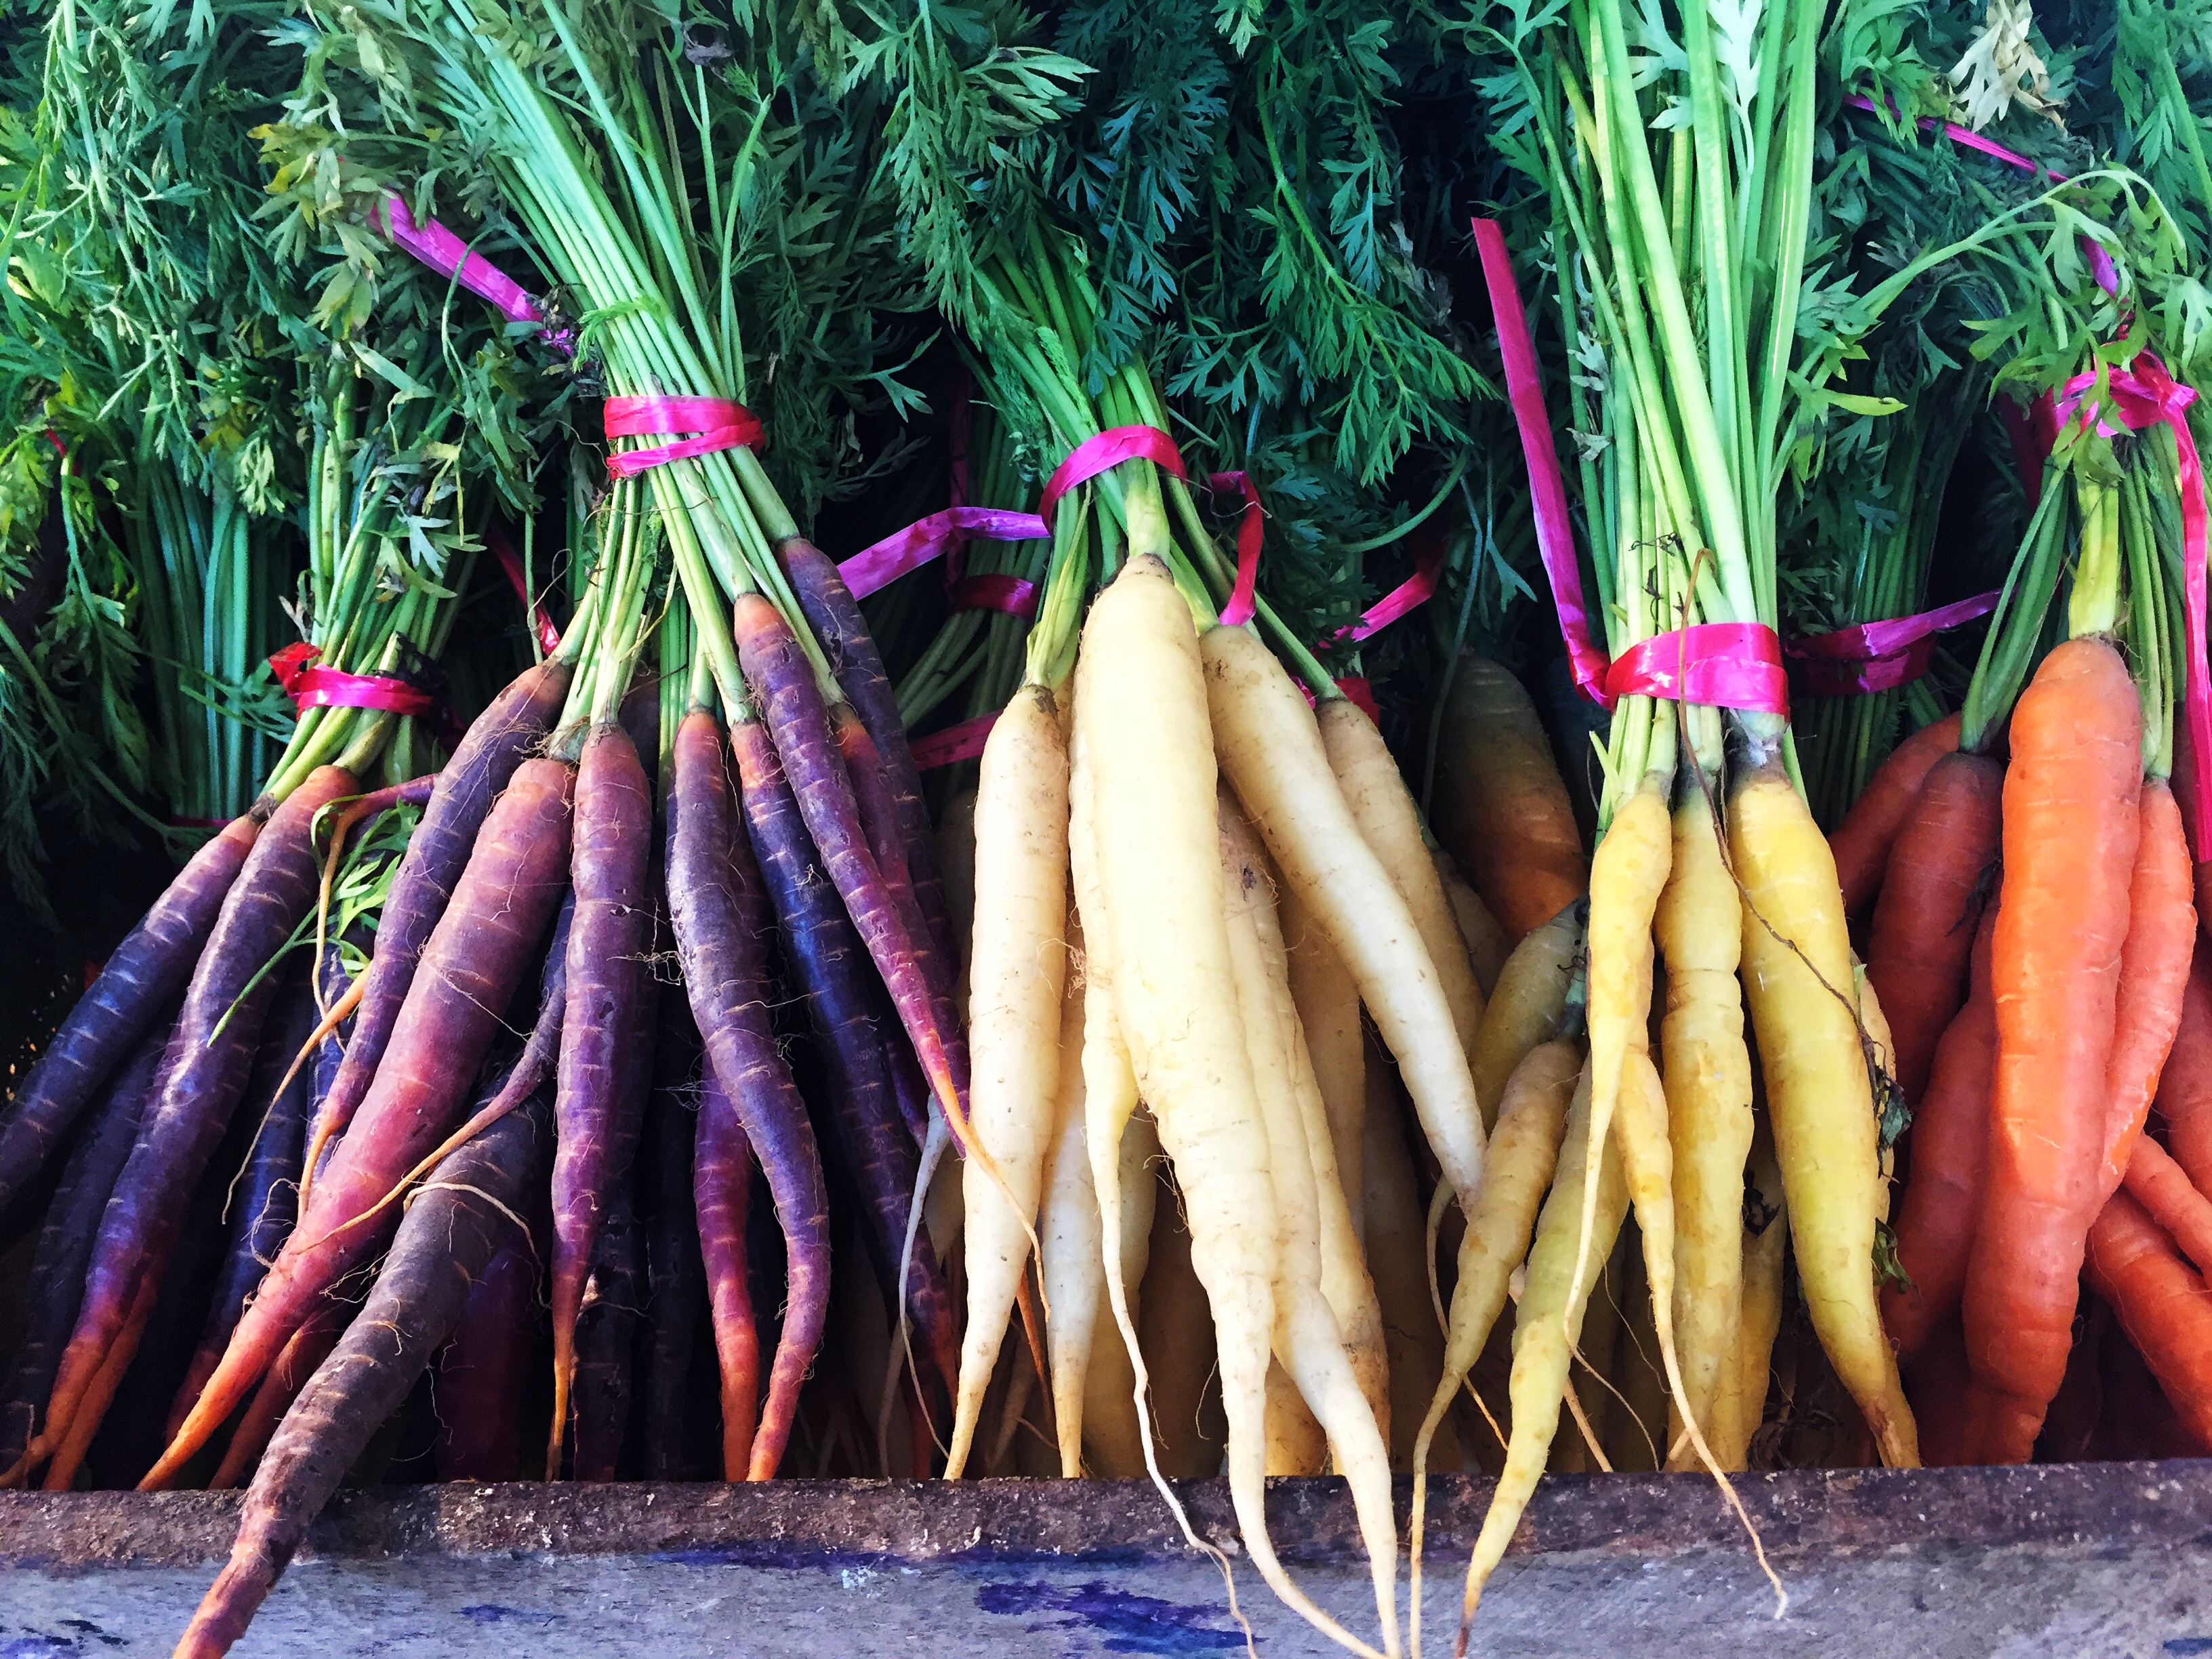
(228, 1607)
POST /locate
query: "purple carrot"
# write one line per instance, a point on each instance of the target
(842, 993)
(463, 1218)
(606, 1332)
(478, 954)
(485, 1370)
(72, 1219)
(835, 616)
(142, 976)
(723, 923)
(793, 711)
(674, 1271)
(601, 1098)
(722, 1184)
(512, 726)
(223, 1013)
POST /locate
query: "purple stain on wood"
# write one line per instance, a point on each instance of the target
(1126, 1623)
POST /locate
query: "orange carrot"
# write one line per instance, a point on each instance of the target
(1501, 807)
(1940, 871)
(2070, 831)
(2185, 1088)
(2162, 1304)
(2153, 973)
(1862, 841)
(2167, 1196)
(1950, 1150)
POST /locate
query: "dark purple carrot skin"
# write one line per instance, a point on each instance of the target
(330, 1055)
(721, 911)
(674, 1271)
(484, 1371)
(606, 1340)
(180, 1129)
(145, 975)
(454, 1231)
(722, 1181)
(264, 1202)
(600, 1097)
(66, 1239)
(835, 616)
(843, 995)
(798, 724)
(872, 792)
(478, 954)
(512, 726)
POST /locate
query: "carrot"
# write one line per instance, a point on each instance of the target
(2162, 1304)
(1941, 869)
(484, 1372)
(295, 1368)
(721, 1196)
(1298, 1123)
(2071, 831)
(675, 1269)
(1860, 844)
(1523, 1153)
(477, 956)
(2184, 779)
(793, 708)
(2185, 1088)
(2159, 1184)
(1016, 969)
(1327, 1002)
(723, 924)
(1121, 1146)
(1487, 947)
(1942, 1199)
(1142, 704)
(1501, 808)
(835, 616)
(2154, 975)
(458, 1223)
(180, 1129)
(512, 724)
(1270, 749)
(1389, 822)
(56, 1284)
(1525, 1008)
(832, 971)
(606, 1328)
(1706, 1069)
(144, 976)
(263, 1200)
(1544, 1332)
(1798, 981)
(1072, 1258)
(601, 1092)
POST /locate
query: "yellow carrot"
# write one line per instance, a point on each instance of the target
(1522, 1155)
(1544, 1332)
(1376, 792)
(1071, 1250)
(1766, 1257)
(1113, 1438)
(1141, 706)
(1018, 967)
(1797, 972)
(1707, 1071)
(1525, 1009)
(1329, 1012)
(1271, 750)
(1311, 1340)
